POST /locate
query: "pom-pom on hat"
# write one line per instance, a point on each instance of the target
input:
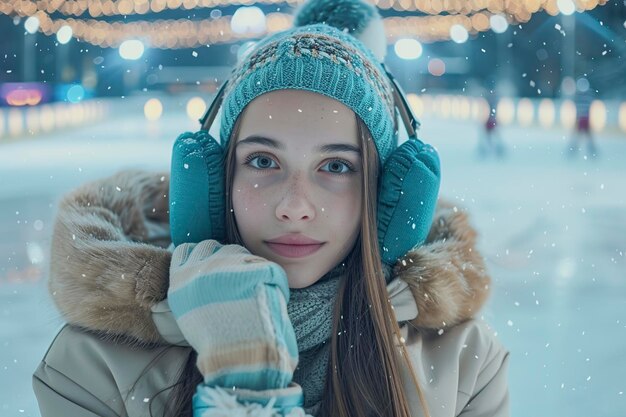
(357, 17)
(321, 59)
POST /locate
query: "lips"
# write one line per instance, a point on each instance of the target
(294, 245)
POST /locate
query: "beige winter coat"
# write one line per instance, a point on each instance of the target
(109, 278)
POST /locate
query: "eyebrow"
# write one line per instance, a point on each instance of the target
(261, 140)
(339, 147)
(271, 143)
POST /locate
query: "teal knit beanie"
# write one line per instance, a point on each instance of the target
(321, 59)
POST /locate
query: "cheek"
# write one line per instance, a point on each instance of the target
(344, 213)
(248, 202)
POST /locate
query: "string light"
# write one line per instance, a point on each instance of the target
(164, 34)
(96, 8)
(473, 16)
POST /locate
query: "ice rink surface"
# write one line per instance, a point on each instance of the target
(552, 229)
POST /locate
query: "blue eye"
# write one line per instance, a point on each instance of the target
(339, 166)
(262, 162)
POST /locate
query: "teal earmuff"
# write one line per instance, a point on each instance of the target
(197, 202)
(407, 196)
(408, 188)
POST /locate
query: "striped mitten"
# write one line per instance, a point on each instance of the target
(231, 306)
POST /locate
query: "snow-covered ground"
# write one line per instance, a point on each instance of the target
(553, 230)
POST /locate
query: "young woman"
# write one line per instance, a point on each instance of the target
(313, 278)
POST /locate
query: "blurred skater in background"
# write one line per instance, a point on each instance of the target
(490, 141)
(582, 132)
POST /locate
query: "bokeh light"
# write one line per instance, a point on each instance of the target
(622, 116)
(480, 109)
(416, 103)
(498, 23)
(436, 67)
(248, 20)
(77, 114)
(597, 115)
(153, 109)
(505, 111)
(459, 34)
(566, 7)
(32, 120)
(568, 86)
(75, 93)
(195, 108)
(466, 108)
(568, 114)
(131, 49)
(15, 122)
(64, 34)
(582, 84)
(31, 24)
(546, 113)
(46, 118)
(408, 48)
(525, 112)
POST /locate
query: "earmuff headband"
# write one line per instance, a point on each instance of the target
(411, 122)
(209, 116)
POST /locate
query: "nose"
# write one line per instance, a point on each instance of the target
(295, 205)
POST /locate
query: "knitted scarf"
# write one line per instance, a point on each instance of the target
(310, 310)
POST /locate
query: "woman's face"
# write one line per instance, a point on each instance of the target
(297, 184)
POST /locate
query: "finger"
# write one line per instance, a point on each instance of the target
(203, 250)
(236, 250)
(181, 254)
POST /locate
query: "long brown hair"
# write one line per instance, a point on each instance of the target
(364, 375)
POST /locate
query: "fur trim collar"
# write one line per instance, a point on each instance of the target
(109, 263)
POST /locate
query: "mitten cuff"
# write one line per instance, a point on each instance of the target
(219, 402)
